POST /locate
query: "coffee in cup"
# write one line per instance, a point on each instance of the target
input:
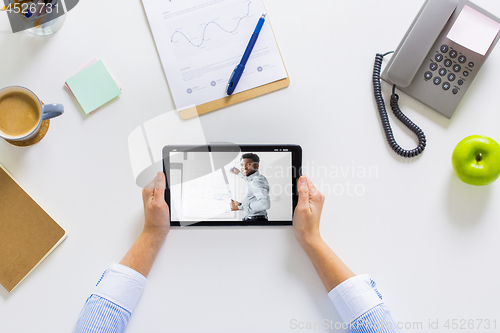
(21, 113)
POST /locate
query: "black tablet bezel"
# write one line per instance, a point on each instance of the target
(296, 151)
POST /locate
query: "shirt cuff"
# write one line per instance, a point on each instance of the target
(353, 297)
(121, 285)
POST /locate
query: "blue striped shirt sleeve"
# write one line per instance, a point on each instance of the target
(103, 316)
(109, 308)
(361, 306)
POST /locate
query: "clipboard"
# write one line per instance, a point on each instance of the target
(195, 111)
(234, 99)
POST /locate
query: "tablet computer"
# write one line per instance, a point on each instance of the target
(231, 185)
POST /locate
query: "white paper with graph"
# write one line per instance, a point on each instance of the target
(201, 41)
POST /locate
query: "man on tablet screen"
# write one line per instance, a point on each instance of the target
(257, 201)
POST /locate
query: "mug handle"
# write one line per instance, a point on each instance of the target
(51, 111)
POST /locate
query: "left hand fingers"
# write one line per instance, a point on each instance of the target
(148, 190)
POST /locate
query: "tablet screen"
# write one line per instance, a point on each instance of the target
(242, 187)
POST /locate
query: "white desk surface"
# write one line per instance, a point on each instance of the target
(430, 241)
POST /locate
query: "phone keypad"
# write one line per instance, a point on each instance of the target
(449, 65)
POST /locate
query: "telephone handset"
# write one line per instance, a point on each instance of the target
(419, 39)
(437, 60)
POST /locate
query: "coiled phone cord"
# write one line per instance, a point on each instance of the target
(377, 90)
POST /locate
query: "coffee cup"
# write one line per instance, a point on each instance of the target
(22, 113)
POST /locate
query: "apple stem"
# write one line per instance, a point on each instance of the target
(479, 157)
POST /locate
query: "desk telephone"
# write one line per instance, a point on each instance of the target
(436, 62)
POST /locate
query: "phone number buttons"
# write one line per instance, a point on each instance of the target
(450, 69)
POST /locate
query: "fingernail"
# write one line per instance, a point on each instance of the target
(159, 176)
(302, 179)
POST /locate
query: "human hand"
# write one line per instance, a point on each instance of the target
(156, 211)
(234, 205)
(142, 254)
(235, 170)
(308, 212)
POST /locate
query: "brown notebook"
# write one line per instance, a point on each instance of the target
(27, 233)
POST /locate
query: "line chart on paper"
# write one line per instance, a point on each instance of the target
(197, 41)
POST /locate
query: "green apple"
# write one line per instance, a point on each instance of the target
(476, 160)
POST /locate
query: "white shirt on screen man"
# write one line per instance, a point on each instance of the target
(257, 201)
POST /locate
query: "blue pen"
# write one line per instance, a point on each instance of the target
(238, 71)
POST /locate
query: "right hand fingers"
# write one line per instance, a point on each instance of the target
(314, 194)
(303, 189)
(308, 193)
